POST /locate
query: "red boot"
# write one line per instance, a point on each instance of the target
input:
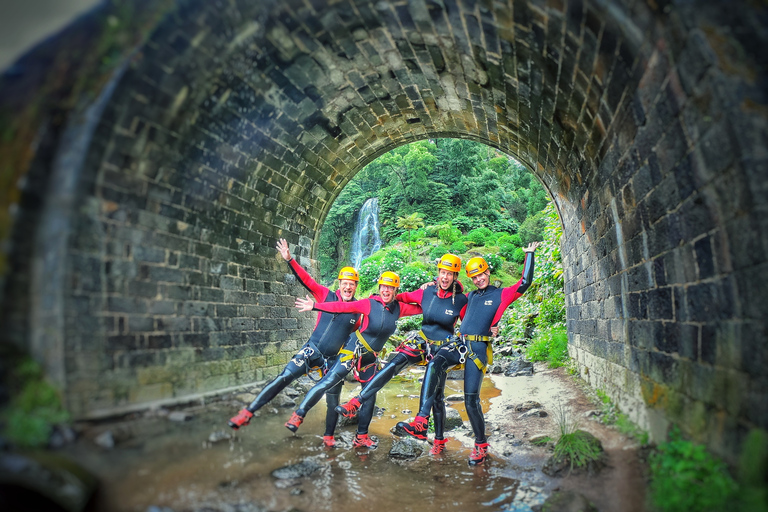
(438, 447)
(294, 423)
(242, 419)
(329, 441)
(349, 409)
(364, 441)
(479, 454)
(417, 428)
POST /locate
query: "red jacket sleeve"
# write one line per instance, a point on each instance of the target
(356, 306)
(409, 309)
(508, 296)
(318, 291)
(413, 297)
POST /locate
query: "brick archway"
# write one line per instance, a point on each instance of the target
(236, 124)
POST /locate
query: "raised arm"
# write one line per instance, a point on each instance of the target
(356, 306)
(409, 309)
(318, 291)
(413, 297)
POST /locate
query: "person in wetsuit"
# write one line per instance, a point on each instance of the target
(330, 332)
(441, 305)
(472, 347)
(380, 311)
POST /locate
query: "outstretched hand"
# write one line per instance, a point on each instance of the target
(282, 248)
(425, 285)
(532, 247)
(304, 304)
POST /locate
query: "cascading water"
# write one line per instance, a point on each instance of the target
(366, 239)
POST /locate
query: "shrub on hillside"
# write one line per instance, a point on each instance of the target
(479, 236)
(494, 261)
(412, 276)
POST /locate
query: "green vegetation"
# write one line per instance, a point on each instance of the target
(684, 477)
(35, 408)
(461, 195)
(575, 446)
(611, 415)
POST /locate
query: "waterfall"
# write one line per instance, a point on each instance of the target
(366, 240)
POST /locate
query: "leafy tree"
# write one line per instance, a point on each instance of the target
(410, 222)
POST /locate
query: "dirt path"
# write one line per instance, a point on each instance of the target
(620, 486)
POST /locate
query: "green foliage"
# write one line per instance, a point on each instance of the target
(369, 273)
(438, 251)
(449, 234)
(684, 477)
(34, 410)
(412, 276)
(494, 261)
(549, 344)
(574, 445)
(479, 235)
(611, 415)
(409, 323)
(458, 247)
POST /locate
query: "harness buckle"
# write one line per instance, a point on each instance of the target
(463, 350)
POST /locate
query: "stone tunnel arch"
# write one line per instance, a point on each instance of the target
(238, 122)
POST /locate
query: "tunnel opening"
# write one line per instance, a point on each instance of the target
(235, 125)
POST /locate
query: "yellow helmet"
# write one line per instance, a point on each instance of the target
(390, 279)
(349, 273)
(476, 266)
(450, 262)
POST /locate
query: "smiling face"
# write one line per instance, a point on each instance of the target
(482, 280)
(387, 293)
(445, 278)
(347, 288)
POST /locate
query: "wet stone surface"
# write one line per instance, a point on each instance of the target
(199, 464)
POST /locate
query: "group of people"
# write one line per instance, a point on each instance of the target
(349, 334)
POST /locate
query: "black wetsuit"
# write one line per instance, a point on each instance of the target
(330, 332)
(377, 326)
(441, 310)
(483, 311)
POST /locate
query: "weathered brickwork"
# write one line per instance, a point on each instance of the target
(239, 123)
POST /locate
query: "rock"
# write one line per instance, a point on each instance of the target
(527, 406)
(219, 435)
(567, 501)
(593, 413)
(155, 508)
(44, 481)
(505, 351)
(534, 413)
(283, 400)
(458, 397)
(452, 419)
(105, 440)
(180, 416)
(61, 436)
(455, 375)
(285, 483)
(291, 392)
(519, 367)
(302, 469)
(245, 398)
(407, 449)
(406, 411)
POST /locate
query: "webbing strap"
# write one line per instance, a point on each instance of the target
(364, 343)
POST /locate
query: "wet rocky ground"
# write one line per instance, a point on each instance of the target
(187, 460)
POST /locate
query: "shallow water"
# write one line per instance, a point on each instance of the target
(166, 464)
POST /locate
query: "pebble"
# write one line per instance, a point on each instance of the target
(180, 416)
(105, 440)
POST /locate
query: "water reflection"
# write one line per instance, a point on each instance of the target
(173, 465)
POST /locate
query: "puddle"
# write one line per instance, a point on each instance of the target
(167, 464)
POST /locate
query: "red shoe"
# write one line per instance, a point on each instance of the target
(242, 419)
(364, 441)
(438, 447)
(349, 409)
(478, 455)
(417, 428)
(294, 423)
(329, 441)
